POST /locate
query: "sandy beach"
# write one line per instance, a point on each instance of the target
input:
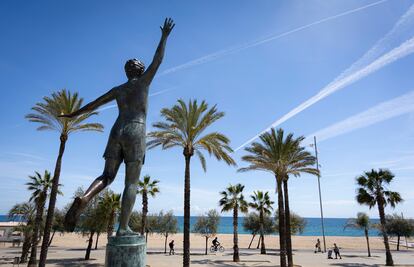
(69, 250)
(156, 242)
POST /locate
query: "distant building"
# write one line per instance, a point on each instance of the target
(8, 233)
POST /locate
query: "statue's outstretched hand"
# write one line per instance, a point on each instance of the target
(65, 115)
(167, 28)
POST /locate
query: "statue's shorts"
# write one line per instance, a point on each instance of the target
(126, 142)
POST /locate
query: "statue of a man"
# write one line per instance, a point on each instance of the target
(127, 138)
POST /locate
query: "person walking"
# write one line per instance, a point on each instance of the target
(336, 250)
(171, 244)
(318, 246)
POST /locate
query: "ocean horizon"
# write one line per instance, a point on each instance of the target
(333, 226)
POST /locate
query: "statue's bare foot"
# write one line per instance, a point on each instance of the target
(125, 232)
(73, 214)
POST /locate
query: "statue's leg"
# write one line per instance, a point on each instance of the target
(133, 170)
(107, 177)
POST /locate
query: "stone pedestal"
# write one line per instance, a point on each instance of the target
(126, 251)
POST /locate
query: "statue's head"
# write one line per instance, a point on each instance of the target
(134, 68)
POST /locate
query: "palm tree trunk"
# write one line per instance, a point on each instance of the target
(367, 237)
(35, 235)
(388, 256)
(88, 249)
(165, 244)
(52, 202)
(144, 212)
(398, 242)
(51, 238)
(287, 222)
(25, 248)
(251, 241)
(282, 228)
(186, 249)
(206, 244)
(97, 239)
(263, 248)
(236, 257)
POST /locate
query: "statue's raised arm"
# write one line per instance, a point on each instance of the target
(159, 53)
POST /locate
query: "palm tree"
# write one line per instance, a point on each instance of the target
(183, 127)
(360, 222)
(282, 156)
(146, 187)
(372, 190)
(111, 203)
(262, 204)
(47, 114)
(300, 161)
(25, 213)
(233, 200)
(40, 187)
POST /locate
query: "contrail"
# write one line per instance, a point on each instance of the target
(237, 48)
(386, 110)
(394, 37)
(150, 95)
(403, 50)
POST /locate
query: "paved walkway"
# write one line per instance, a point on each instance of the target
(305, 258)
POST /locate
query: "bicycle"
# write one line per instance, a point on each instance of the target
(219, 248)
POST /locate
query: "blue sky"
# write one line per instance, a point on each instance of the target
(82, 46)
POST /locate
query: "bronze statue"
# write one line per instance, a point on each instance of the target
(127, 138)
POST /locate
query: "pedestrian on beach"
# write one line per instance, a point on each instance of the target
(318, 246)
(336, 250)
(171, 244)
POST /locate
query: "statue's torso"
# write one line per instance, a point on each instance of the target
(132, 101)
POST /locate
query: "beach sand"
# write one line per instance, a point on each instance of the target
(156, 242)
(69, 250)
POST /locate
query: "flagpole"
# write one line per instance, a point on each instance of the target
(320, 195)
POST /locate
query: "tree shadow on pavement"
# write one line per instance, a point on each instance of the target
(359, 256)
(227, 263)
(74, 262)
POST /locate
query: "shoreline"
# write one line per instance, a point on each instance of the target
(333, 226)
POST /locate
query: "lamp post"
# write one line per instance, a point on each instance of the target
(320, 195)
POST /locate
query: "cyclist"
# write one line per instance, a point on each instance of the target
(216, 243)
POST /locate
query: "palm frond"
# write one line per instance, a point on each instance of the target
(184, 125)
(280, 154)
(372, 188)
(47, 114)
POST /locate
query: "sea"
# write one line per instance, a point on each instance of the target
(333, 226)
